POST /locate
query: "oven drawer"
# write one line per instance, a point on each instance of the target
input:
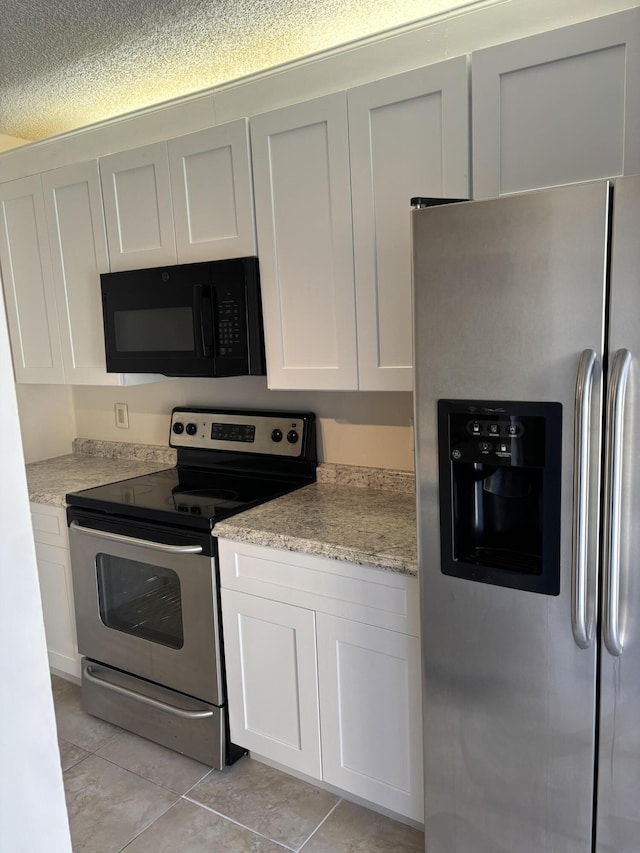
(186, 725)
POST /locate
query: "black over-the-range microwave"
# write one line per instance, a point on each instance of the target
(202, 319)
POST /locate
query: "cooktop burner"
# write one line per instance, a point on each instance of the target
(207, 494)
(228, 461)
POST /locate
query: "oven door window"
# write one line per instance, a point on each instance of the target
(140, 599)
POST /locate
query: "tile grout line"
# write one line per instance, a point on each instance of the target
(322, 822)
(241, 825)
(144, 779)
(145, 828)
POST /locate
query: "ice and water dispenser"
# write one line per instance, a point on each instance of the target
(500, 473)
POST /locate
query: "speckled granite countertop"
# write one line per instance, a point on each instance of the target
(371, 520)
(360, 515)
(93, 463)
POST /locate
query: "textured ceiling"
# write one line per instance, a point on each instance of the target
(68, 63)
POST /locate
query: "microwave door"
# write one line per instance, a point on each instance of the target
(158, 328)
(200, 319)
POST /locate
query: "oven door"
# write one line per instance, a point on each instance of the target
(148, 608)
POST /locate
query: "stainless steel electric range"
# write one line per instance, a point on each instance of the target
(145, 574)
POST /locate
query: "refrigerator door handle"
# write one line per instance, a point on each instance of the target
(580, 622)
(612, 494)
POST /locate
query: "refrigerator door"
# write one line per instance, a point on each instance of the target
(508, 295)
(618, 802)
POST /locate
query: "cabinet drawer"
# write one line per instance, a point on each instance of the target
(363, 594)
(49, 525)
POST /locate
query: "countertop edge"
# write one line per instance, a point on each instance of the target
(74, 472)
(316, 548)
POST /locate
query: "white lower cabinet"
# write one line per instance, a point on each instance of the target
(323, 670)
(56, 589)
(370, 712)
(273, 695)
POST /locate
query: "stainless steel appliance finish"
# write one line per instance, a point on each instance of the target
(150, 575)
(187, 725)
(531, 699)
(145, 575)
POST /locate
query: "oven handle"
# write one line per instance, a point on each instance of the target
(130, 540)
(146, 700)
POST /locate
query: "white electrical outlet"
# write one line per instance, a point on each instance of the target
(122, 415)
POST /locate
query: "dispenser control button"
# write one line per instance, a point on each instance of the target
(475, 428)
(276, 435)
(178, 428)
(503, 447)
(494, 429)
(485, 446)
(515, 429)
(292, 436)
(192, 429)
(455, 454)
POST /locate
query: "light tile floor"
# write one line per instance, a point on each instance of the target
(126, 793)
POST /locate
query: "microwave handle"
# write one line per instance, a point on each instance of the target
(202, 345)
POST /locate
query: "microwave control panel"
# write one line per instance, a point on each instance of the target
(229, 313)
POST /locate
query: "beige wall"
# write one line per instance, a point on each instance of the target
(47, 420)
(364, 428)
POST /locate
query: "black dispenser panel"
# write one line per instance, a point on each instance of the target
(500, 466)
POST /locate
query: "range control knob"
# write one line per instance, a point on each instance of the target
(292, 436)
(276, 435)
(192, 429)
(178, 428)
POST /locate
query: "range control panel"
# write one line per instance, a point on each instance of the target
(279, 434)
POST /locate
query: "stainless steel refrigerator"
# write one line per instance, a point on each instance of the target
(527, 403)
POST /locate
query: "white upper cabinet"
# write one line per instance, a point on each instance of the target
(213, 193)
(333, 181)
(558, 108)
(75, 222)
(137, 203)
(52, 251)
(408, 136)
(305, 244)
(189, 199)
(28, 283)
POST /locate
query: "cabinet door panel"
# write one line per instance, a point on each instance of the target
(303, 214)
(137, 204)
(56, 593)
(271, 680)
(212, 193)
(75, 220)
(27, 281)
(408, 136)
(557, 108)
(370, 713)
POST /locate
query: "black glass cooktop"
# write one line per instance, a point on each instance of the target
(192, 498)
